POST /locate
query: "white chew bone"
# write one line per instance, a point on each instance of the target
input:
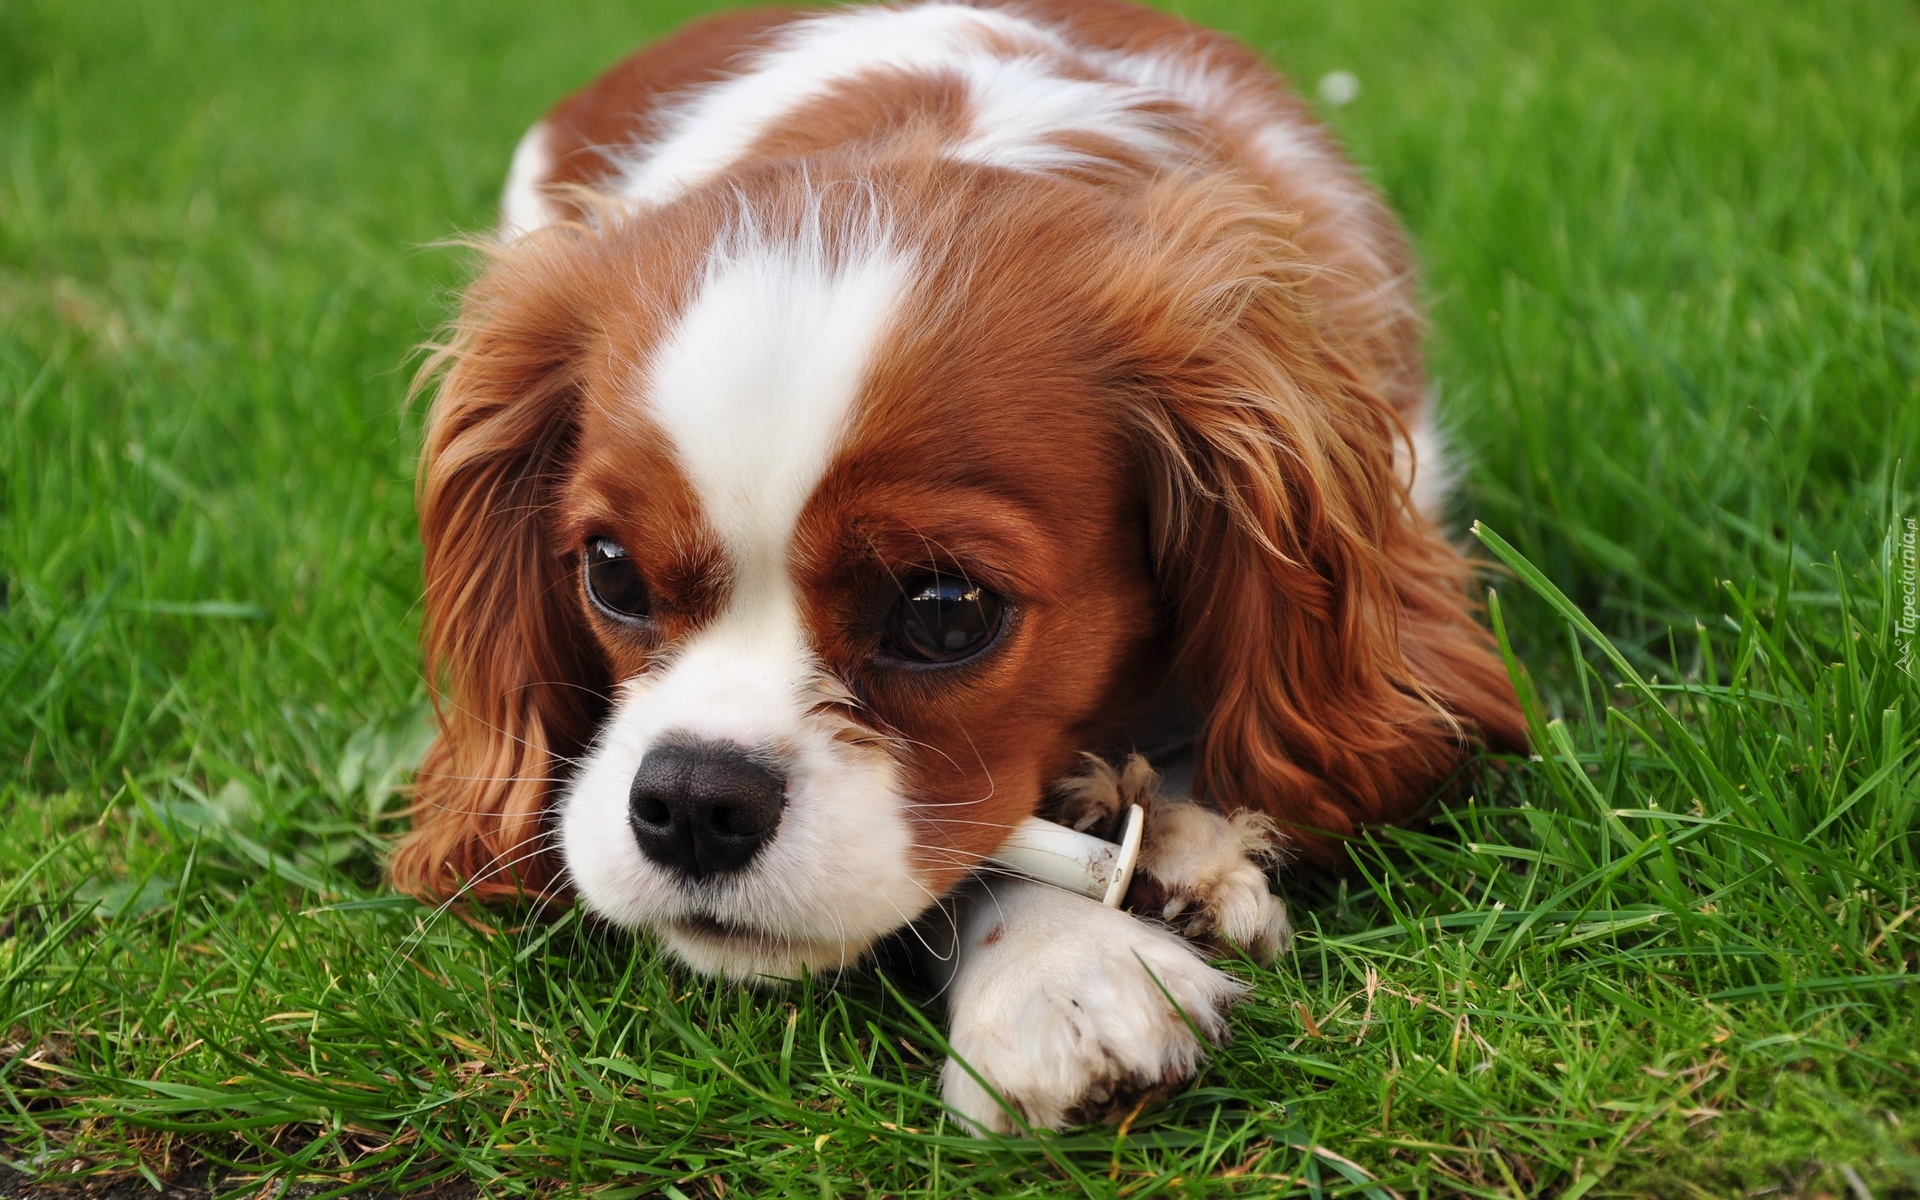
(1078, 862)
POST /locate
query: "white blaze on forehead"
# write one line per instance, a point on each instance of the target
(756, 385)
(756, 388)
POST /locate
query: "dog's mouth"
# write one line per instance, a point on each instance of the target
(708, 926)
(743, 951)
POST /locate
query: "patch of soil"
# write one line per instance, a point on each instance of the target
(204, 1183)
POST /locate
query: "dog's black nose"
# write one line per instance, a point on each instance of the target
(704, 808)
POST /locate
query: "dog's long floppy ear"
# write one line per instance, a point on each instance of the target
(517, 689)
(1326, 629)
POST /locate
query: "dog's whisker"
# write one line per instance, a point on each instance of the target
(424, 925)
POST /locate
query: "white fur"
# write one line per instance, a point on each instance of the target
(1429, 471)
(712, 130)
(1026, 91)
(756, 387)
(1022, 106)
(1021, 100)
(523, 206)
(1057, 1002)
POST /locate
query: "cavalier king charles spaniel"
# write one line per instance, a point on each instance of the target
(875, 426)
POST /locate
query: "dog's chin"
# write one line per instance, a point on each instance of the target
(755, 956)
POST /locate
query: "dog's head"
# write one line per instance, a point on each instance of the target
(784, 547)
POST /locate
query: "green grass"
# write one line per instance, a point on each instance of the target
(1673, 256)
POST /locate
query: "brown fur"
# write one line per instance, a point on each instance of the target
(621, 107)
(1159, 412)
(1325, 627)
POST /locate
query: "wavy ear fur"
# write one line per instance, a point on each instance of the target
(1326, 629)
(517, 687)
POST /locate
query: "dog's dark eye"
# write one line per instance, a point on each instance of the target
(943, 619)
(613, 581)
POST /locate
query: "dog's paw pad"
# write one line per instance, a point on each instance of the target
(1111, 1101)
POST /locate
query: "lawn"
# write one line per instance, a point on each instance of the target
(1673, 257)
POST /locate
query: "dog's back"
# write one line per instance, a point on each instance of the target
(1100, 87)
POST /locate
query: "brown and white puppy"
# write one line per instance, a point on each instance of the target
(867, 413)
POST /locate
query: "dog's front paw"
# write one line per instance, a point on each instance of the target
(1097, 799)
(1073, 1012)
(1205, 875)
